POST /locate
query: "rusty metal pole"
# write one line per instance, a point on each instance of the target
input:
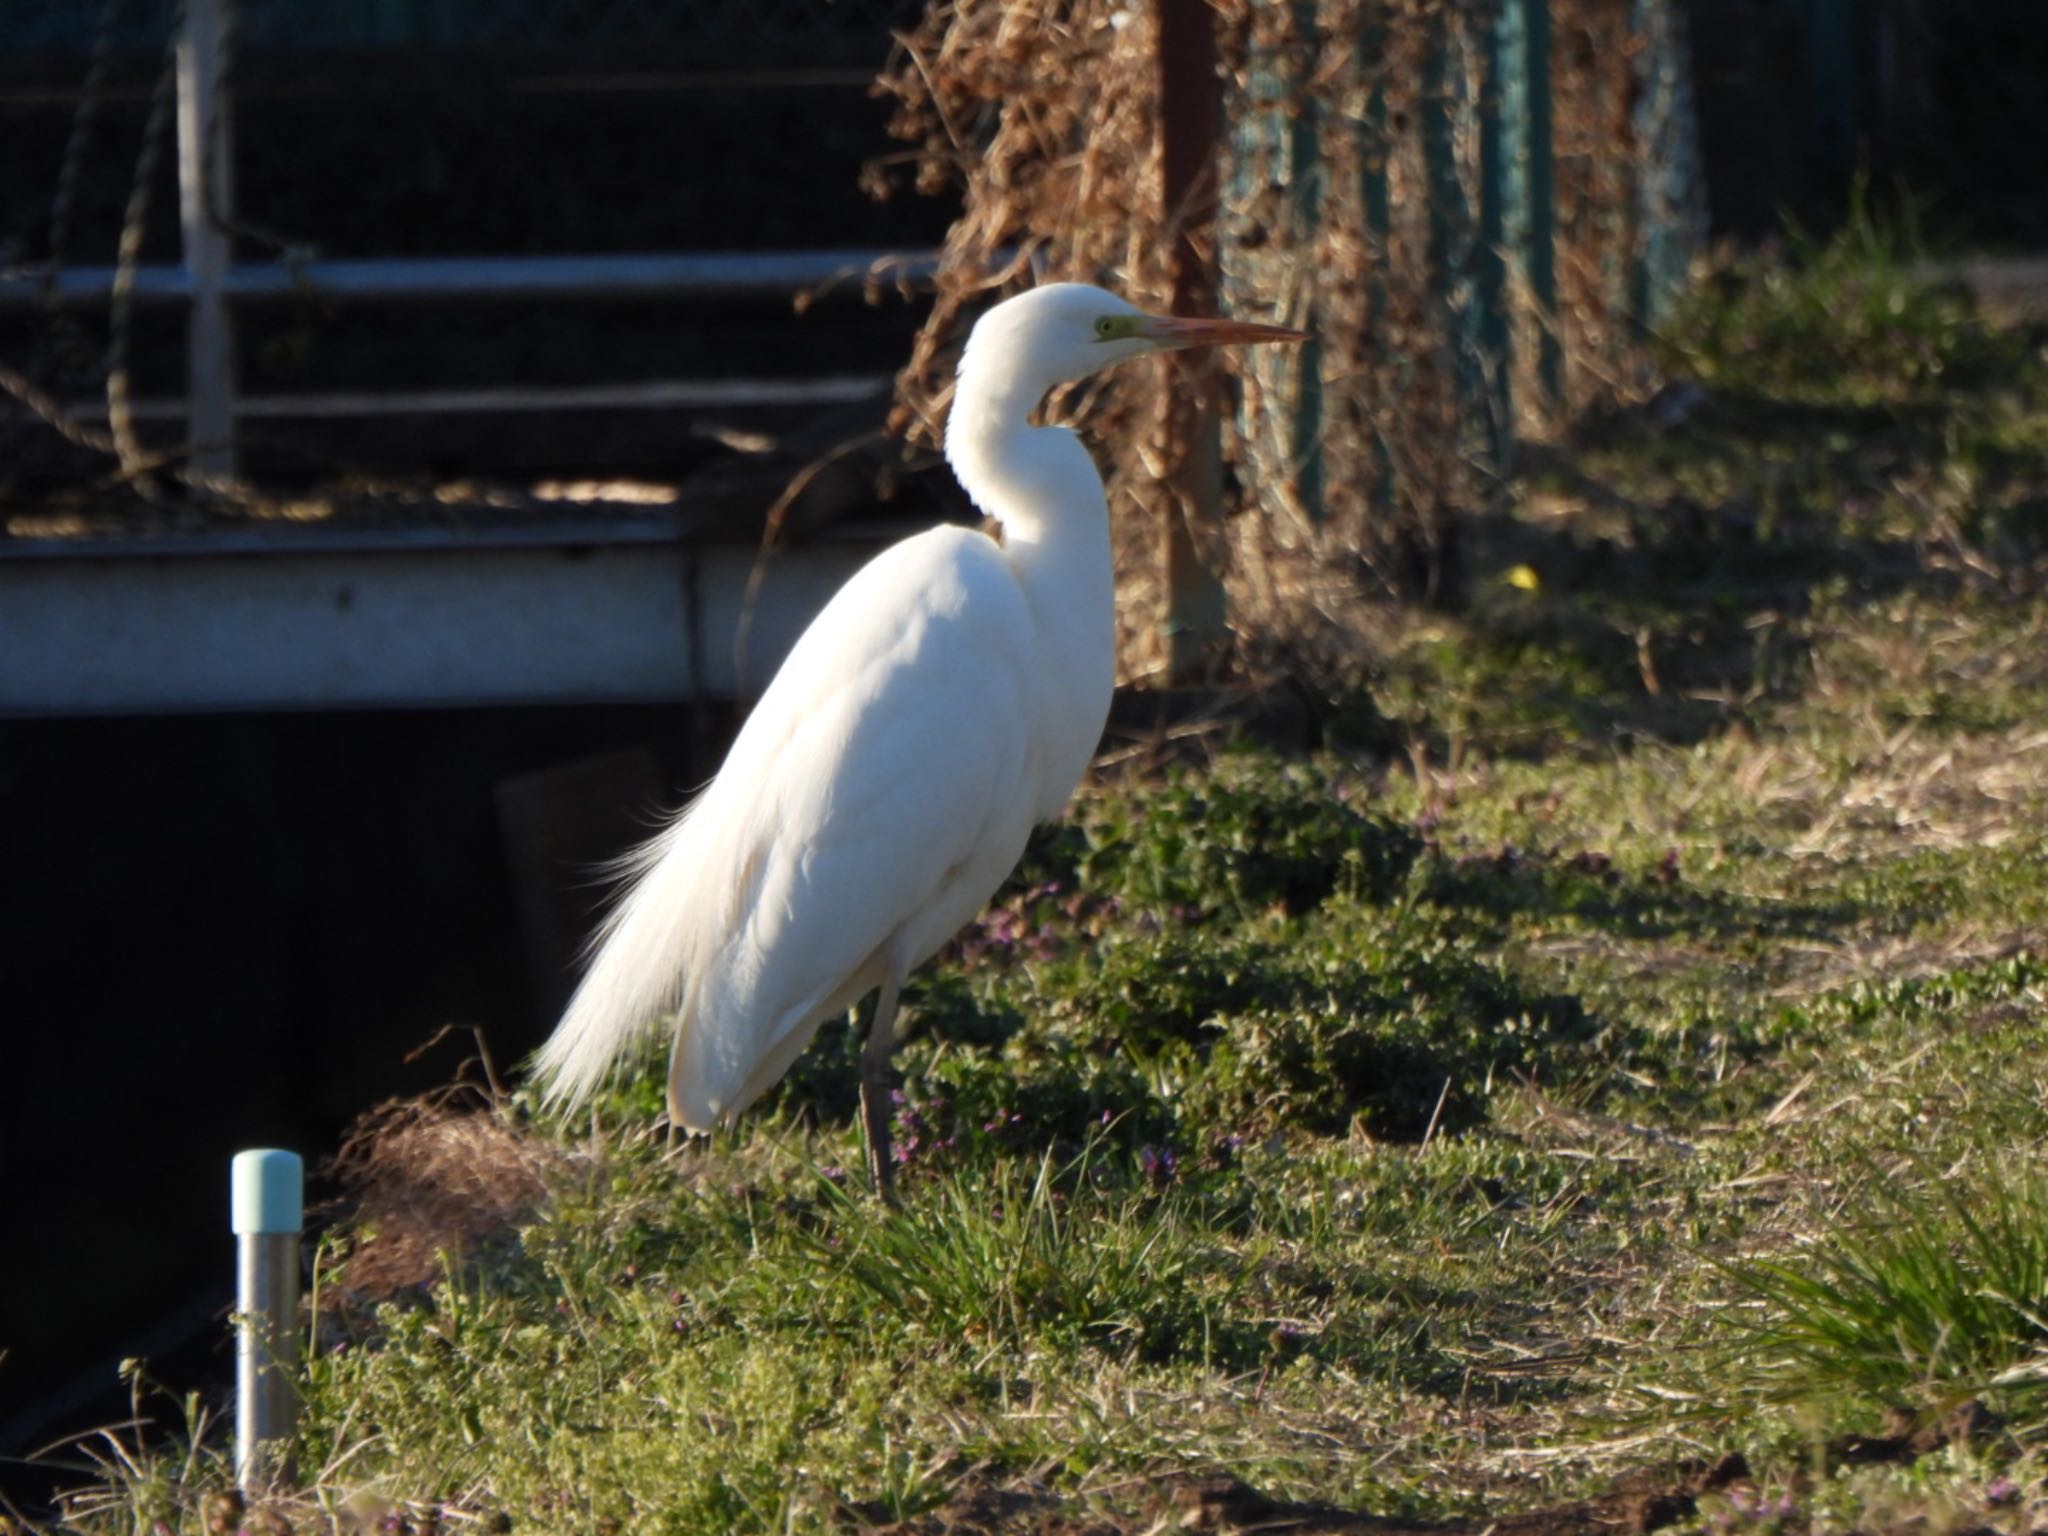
(1190, 126)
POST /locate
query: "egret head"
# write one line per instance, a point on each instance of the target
(1065, 331)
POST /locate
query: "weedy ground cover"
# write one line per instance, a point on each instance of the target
(1622, 1050)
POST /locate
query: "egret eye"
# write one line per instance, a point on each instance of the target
(1115, 327)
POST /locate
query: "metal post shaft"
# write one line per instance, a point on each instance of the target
(268, 1202)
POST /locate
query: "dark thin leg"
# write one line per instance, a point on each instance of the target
(874, 1091)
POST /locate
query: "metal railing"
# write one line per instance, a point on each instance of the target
(213, 285)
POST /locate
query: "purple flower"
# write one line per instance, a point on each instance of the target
(916, 1135)
(2001, 1490)
(1159, 1165)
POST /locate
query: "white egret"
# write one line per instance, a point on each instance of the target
(949, 697)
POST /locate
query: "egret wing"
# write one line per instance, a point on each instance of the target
(874, 802)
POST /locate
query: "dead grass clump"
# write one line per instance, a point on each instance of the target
(431, 1181)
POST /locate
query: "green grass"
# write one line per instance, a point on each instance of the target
(1843, 325)
(1933, 1291)
(1635, 1054)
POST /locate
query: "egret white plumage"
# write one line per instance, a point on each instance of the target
(948, 698)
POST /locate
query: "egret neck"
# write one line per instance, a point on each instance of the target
(1041, 486)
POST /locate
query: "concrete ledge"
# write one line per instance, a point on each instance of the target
(427, 619)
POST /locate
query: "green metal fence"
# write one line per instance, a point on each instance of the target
(1481, 210)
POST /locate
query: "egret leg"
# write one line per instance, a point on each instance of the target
(874, 1090)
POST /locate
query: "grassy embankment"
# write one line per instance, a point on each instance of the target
(1624, 1047)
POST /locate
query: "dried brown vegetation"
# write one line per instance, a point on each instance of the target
(429, 1181)
(1352, 200)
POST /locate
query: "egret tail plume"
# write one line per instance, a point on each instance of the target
(640, 959)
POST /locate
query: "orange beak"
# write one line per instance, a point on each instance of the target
(1174, 332)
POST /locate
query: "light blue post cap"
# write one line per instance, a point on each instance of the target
(268, 1191)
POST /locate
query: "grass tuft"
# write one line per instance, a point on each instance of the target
(1933, 1292)
(1048, 1255)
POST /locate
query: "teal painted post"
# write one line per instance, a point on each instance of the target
(266, 1202)
(1438, 160)
(1377, 150)
(1275, 192)
(391, 25)
(1671, 195)
(1522, 54)
(1304, 189)
(1831, 82)
(1453, 253)
(1642, 169)
(1542, 234)
(1489, 274)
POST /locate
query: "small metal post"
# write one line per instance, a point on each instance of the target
(268, 1203)
(206, 200)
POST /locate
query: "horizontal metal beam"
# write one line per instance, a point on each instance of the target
(673, 274)
(131, 632)
(651, 394)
